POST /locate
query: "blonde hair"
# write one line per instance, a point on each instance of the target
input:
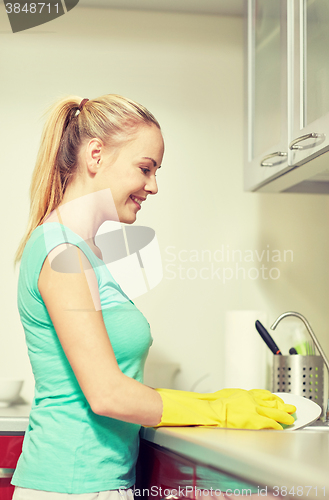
(107, 118)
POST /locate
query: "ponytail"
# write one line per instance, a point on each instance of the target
(68, 124)
(46, 191)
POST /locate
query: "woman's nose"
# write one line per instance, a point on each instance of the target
(152, 186)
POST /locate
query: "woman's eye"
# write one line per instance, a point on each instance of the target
(145, 170)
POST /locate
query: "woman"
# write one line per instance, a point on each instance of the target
(87, 342)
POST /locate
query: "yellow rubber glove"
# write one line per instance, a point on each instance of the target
(231, 408)
(271, 400)
(243, 411)
(262, 397)
(209, 396)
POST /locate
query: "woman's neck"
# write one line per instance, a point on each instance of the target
(85, 214)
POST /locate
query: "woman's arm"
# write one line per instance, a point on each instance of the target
(71, 299)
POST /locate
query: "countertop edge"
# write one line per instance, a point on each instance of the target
(14, 418)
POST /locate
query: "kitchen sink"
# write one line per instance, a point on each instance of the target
(317, 426)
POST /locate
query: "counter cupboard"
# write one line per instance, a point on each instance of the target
(164, 474)
(10, 449)
(13, 423)
(204, 463)
(287, 96)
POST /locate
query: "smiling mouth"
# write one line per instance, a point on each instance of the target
(137, 200)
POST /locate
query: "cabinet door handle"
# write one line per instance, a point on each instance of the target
(4, 473)
(295, 143)
(272, 155)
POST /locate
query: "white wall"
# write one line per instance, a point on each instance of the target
(188, 70)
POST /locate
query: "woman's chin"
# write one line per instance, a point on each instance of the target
(128, 220)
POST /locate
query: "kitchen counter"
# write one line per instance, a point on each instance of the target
(265, 458)
(14, 418)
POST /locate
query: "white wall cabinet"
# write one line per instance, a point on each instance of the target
(287, 96)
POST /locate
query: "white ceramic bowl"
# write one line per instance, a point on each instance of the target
(9, 390)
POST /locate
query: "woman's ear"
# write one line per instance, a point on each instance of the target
(93, 154)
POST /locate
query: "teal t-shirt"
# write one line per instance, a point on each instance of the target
(67, 448)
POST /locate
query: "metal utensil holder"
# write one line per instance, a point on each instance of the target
(325, 406)
(301, 375)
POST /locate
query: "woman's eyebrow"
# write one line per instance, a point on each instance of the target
(153, 161)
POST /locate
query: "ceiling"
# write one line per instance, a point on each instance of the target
(217, 7)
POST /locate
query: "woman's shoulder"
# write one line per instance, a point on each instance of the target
(49, 235)
(60, 244)
(56, 240)
(44, 239)
(43, 236)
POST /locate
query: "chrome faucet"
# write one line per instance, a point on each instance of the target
(313, 337)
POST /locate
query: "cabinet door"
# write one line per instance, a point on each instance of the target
(266, 116)
(162, 474)
(309, 110)
(10, 449)
(215, 483)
